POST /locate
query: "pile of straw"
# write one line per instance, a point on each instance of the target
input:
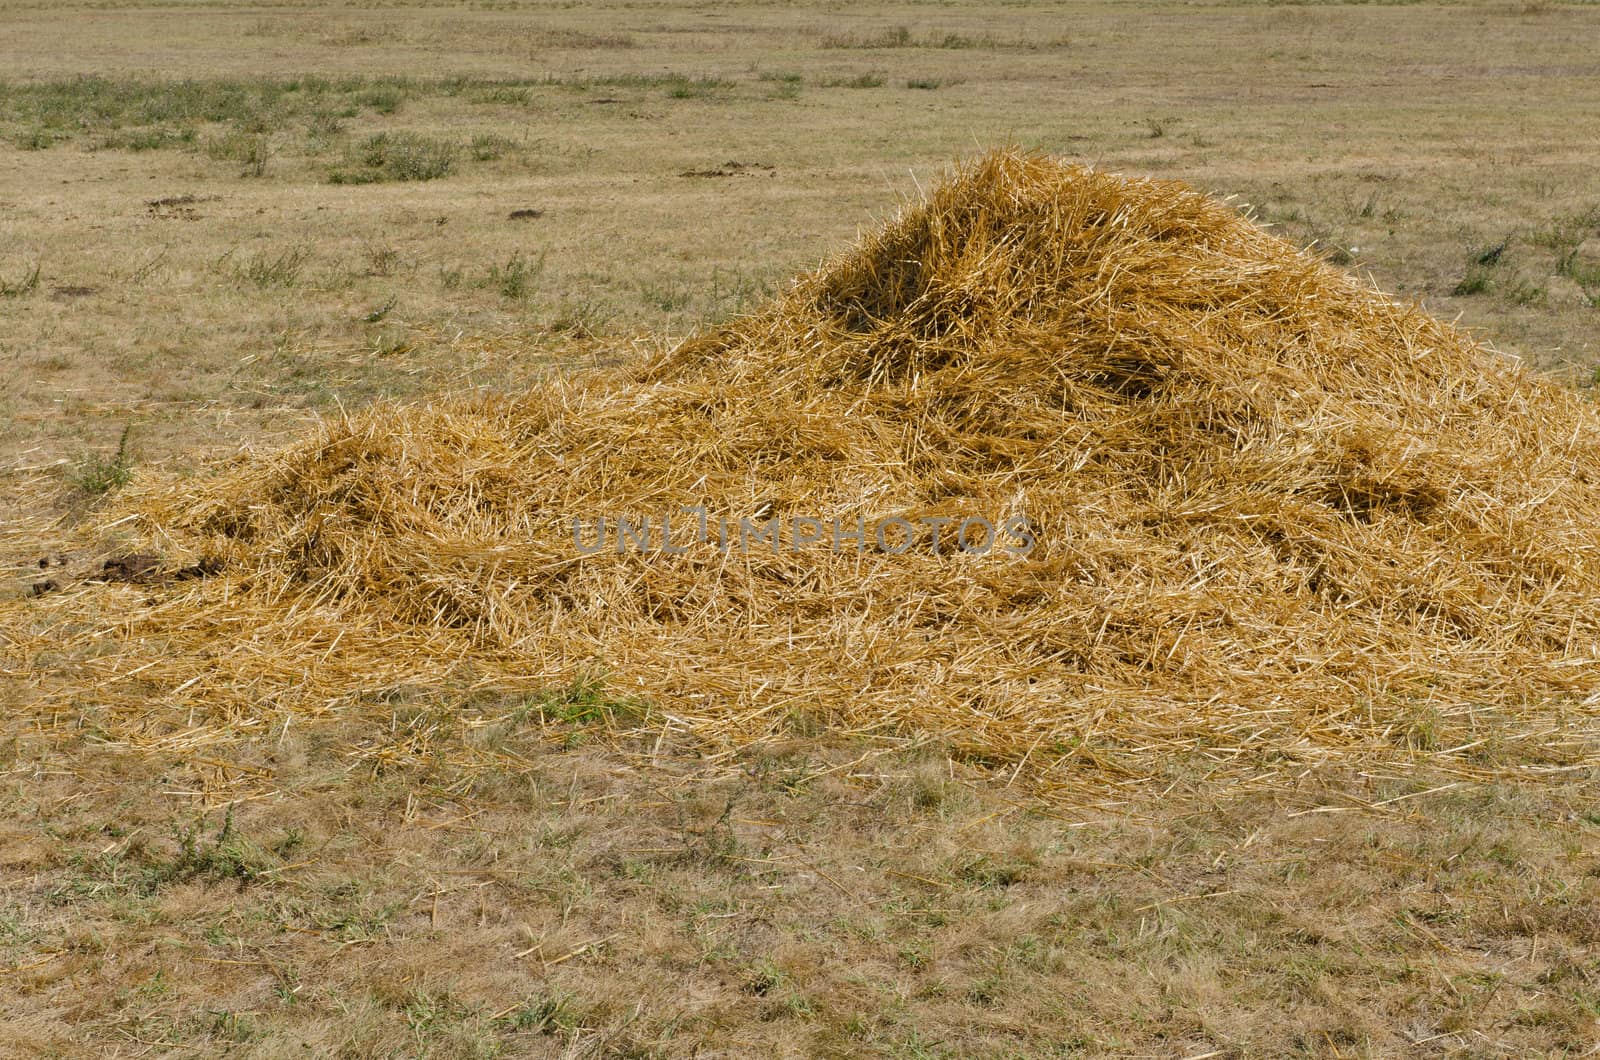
(1276, 516)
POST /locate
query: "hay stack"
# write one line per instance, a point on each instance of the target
(1277, 514)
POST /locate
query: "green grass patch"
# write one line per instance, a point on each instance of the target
(515, 279)
(1586, 273)
(489, 147)
(696, 87)
(586, 701)
(903, 37)
(98, 475)
(25, 284)
(144, 113)
(1476, 281)
(250, 150)
(398, 157)
(146, 138)
(36, 139)
(266, 269)
(858, 81)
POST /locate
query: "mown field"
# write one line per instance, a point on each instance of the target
(220, 222)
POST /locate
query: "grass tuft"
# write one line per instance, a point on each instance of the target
(250, 149)
(902, 37)
(97, 476)
(586, 701)
(515, 279)
(488, 147)
(1476, 281)
(857, 81)
(26, 284)
(265, 269)
(228, 856)
(696, 87)
(398, 157)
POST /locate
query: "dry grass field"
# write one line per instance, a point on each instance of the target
(220, 222)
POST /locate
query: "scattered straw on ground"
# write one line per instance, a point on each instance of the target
(1279, 517)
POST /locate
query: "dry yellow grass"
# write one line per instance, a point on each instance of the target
(1279, 517)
